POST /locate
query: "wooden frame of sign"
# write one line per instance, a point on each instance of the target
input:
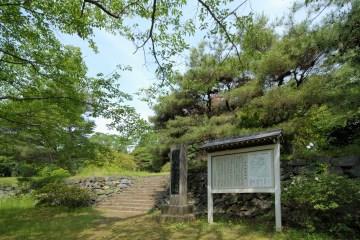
(254, 169)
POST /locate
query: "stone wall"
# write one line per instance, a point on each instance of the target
(256, 204)
(7, 191)
(103, 187)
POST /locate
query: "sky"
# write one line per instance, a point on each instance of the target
(114, 50)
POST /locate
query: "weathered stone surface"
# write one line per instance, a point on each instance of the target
(355, 171)
(7, 191)
(348, 161)
(297, 162)
(103, 187)
(257, 204)
(336, 170)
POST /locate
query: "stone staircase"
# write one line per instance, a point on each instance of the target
(138, 199)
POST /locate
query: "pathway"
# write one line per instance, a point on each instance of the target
(136, 200)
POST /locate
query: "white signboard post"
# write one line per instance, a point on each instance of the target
(245, 170)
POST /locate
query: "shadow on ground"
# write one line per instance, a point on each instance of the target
(57, 223)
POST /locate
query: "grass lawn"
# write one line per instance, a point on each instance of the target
(19, 219)
(8, 181)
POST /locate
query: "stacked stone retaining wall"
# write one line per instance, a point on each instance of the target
(257, 204)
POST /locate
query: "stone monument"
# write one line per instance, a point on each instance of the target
(178, 208)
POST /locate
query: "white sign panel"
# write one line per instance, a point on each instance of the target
(249, 170)
(260, 170)
(243, 170)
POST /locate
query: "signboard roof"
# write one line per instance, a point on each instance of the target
(260, 138)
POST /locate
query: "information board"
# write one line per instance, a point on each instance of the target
(243, 170)
(260, 169)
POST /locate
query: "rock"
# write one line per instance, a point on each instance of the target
(324, 159)
(125, 181)
(336, 170)
(347, 161)
(91, 179)
(297, 162)
(355, 171)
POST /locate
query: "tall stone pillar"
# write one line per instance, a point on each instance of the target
(178, 209)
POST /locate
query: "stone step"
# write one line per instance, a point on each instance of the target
(128, 208)
(127, 204)
(131, 191)
(120, 214)
(143, 186)
(135, 200)
(140, 195)
(126, 200)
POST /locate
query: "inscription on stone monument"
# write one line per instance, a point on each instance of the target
(175, 171)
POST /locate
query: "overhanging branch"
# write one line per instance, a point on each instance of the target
(221, 25)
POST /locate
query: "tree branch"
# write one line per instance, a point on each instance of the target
(150, 36)
(19, 123)
(103, 8)
(234, 11)
(107, 11)
(207, 7)
(26, 61)
(34, 98)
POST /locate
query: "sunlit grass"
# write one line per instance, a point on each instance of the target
(8, 181)
(149, 227)
(19, 219)
(21, 202)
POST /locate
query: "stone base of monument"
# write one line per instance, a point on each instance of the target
(174, 213)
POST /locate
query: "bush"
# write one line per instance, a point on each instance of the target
(25, 170)
(166, 167)
(60, 194)
(111, 157)
(5, 169)
(324, 202)
(46, 176)
(53, 171)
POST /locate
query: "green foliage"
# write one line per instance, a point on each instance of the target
(53, 171)
(240, 96)
(113, 142)
(6, 167)
(166, 167)
(49, 174)
(324, 202)
(25, 170)
(105, 157)
(18, 202)
(60, 194)
(150, 153)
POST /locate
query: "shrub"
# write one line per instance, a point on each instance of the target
(111, 157)
(5, 169)
(47, 175)
(60, 194)
(324, 202)
(25, 170)
(53, 171)
(166, 167)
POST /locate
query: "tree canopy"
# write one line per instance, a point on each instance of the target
(304, 80)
